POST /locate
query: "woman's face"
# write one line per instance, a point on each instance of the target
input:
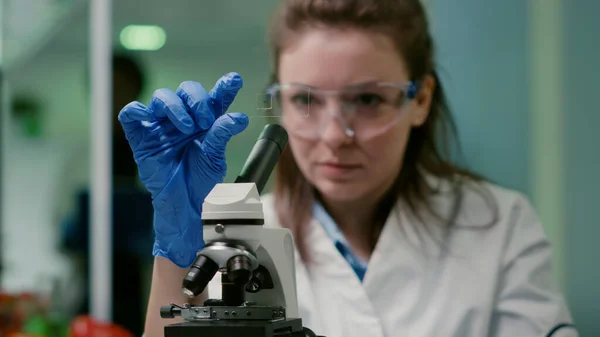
(346, 168)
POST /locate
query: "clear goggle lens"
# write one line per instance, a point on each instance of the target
(363, 111)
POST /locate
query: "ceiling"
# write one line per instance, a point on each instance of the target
(190, 24)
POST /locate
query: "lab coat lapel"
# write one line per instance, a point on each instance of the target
(306, 297)
(395, 279)
(336, 286)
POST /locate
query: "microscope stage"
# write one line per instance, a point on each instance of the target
(241, 328)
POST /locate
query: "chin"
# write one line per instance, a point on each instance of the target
(341, 191)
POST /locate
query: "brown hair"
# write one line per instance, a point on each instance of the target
(405, 21)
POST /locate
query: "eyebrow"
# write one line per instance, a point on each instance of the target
(351, 86)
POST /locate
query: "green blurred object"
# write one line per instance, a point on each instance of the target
(37, 325)
(27, 110)
(47, 326)
(32, 126)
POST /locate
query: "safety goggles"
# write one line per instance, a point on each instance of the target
(363, 110)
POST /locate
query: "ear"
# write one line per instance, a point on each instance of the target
(423, 101)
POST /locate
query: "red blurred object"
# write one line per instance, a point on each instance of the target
(15, 309)
(86, 326)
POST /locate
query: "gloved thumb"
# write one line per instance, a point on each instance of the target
(217, 137)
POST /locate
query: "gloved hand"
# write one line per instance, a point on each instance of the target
(178, 143)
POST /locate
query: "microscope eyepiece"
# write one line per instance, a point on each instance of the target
(264, 156)
(199, 276)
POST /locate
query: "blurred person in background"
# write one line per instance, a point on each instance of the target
(132, 209)
(393, 239)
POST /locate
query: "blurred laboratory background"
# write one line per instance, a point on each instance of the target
(521, 78)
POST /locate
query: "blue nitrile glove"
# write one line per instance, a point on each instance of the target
(178, 143)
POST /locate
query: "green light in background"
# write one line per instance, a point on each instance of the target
(135, 37)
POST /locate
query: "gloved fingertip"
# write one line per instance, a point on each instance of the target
(134, 111)
(239, 118)
(225, 90)
(186, 119)
(186, 126)
(233, 80)
(180, 117)
(231, 123)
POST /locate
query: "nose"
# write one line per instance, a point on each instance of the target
(334, 132)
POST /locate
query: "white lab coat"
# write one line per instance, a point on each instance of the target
(481, 282)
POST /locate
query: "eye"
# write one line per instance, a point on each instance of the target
(368, 100)
(301, 99)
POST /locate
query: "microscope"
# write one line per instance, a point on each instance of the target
(258, 277)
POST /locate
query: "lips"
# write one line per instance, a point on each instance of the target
(341, 166)
(337, 171)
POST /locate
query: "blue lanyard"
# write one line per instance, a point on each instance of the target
(339, 240)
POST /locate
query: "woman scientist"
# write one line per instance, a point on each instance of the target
(393, 239)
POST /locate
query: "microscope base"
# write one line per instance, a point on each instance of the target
(229, 328)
